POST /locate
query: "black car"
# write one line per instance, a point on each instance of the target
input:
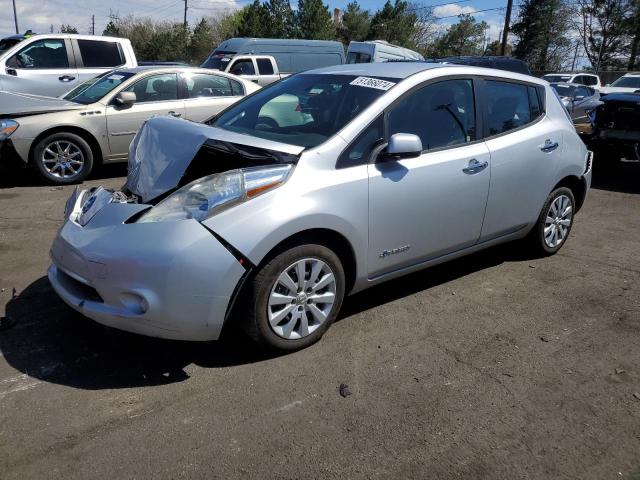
(490, 61)
(616, 127)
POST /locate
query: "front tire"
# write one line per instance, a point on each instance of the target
(294, 298)
(63, 158)
(554, 223)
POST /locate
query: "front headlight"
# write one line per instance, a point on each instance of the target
(7, 127)
(210, 195)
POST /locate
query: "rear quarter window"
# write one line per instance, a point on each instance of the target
(510, 106)
(98, 54)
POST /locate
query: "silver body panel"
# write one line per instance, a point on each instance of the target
(111, 127)
(421, 211)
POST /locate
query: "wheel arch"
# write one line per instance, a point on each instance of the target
(326, 237)
(577, 186)
(96, 150)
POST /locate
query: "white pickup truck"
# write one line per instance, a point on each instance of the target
(261, 69)
(52, 64)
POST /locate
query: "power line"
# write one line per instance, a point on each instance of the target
(471, 13)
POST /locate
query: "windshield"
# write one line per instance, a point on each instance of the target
(93, 90)
(7, 43)
(304, 110)
(557, 78)
(218, 60)
(564, 90)
(627, 82)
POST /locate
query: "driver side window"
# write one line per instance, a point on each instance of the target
(441, 114)
(41, 54)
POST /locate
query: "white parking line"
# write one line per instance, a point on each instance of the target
(16, 384)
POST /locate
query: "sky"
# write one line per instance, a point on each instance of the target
(39, 15)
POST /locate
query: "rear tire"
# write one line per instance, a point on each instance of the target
(282, 312)
(63, 158)
(554, 224)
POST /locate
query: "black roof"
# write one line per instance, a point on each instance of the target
(490, 61)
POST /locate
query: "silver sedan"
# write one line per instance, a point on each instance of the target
(578, 100)
(321, 185)
(64, 138)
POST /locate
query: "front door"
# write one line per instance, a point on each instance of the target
(155, 95)
(425, 207)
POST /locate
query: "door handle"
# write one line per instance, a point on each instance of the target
(66, 78)
(11, 71)
(475, 166)
(174, 114)
(549, 146)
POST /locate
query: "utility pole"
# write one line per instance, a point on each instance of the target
(505, 31)
(93, 24)
(185, 15)
(15, 16)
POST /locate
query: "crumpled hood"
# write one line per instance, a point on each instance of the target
(21, 104)
(164, 147)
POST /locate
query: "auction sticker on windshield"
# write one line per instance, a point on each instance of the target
(372, 83)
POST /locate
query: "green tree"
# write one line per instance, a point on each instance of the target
(200, 43)
(495, 48)
(314, 21)
(463, 38)
(68, 29)
(542, 29)
(254, 20)
(281, 23)
(112, 30)
(633, 26)
(395, 23)
(602, 25)
(355, 23)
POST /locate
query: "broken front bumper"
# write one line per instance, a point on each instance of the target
(164, 279)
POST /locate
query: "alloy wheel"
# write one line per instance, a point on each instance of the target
(301, 298)
(558, 221)
(62, 159)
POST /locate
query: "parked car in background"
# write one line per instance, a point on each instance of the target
(7, 42)
(578, 100)
(63, 138)
(508, 64)
(587, 79)
(616, 128)
(52, 64)
(379, 51)
(628, 83)
(266, 60)
(392, 171)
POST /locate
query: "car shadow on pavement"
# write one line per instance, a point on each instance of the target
(51, 342)
(618, 177)
(12, 175)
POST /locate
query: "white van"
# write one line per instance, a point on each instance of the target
(379, 51)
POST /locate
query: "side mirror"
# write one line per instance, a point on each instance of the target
(403, 145)
(125, 99)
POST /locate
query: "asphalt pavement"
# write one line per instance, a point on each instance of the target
(494, 366)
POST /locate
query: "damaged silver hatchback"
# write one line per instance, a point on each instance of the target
(321, 185)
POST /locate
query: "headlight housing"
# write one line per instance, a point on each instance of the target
(210, 195)
(7, 127)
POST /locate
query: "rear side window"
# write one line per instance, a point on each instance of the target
(264, 66)
(97, 54)
(204, 85)
(510, 106)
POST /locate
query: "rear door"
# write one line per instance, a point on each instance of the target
(94, 57)
(156, 94)
(46, 66)
(207, 94)
(525, 146)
